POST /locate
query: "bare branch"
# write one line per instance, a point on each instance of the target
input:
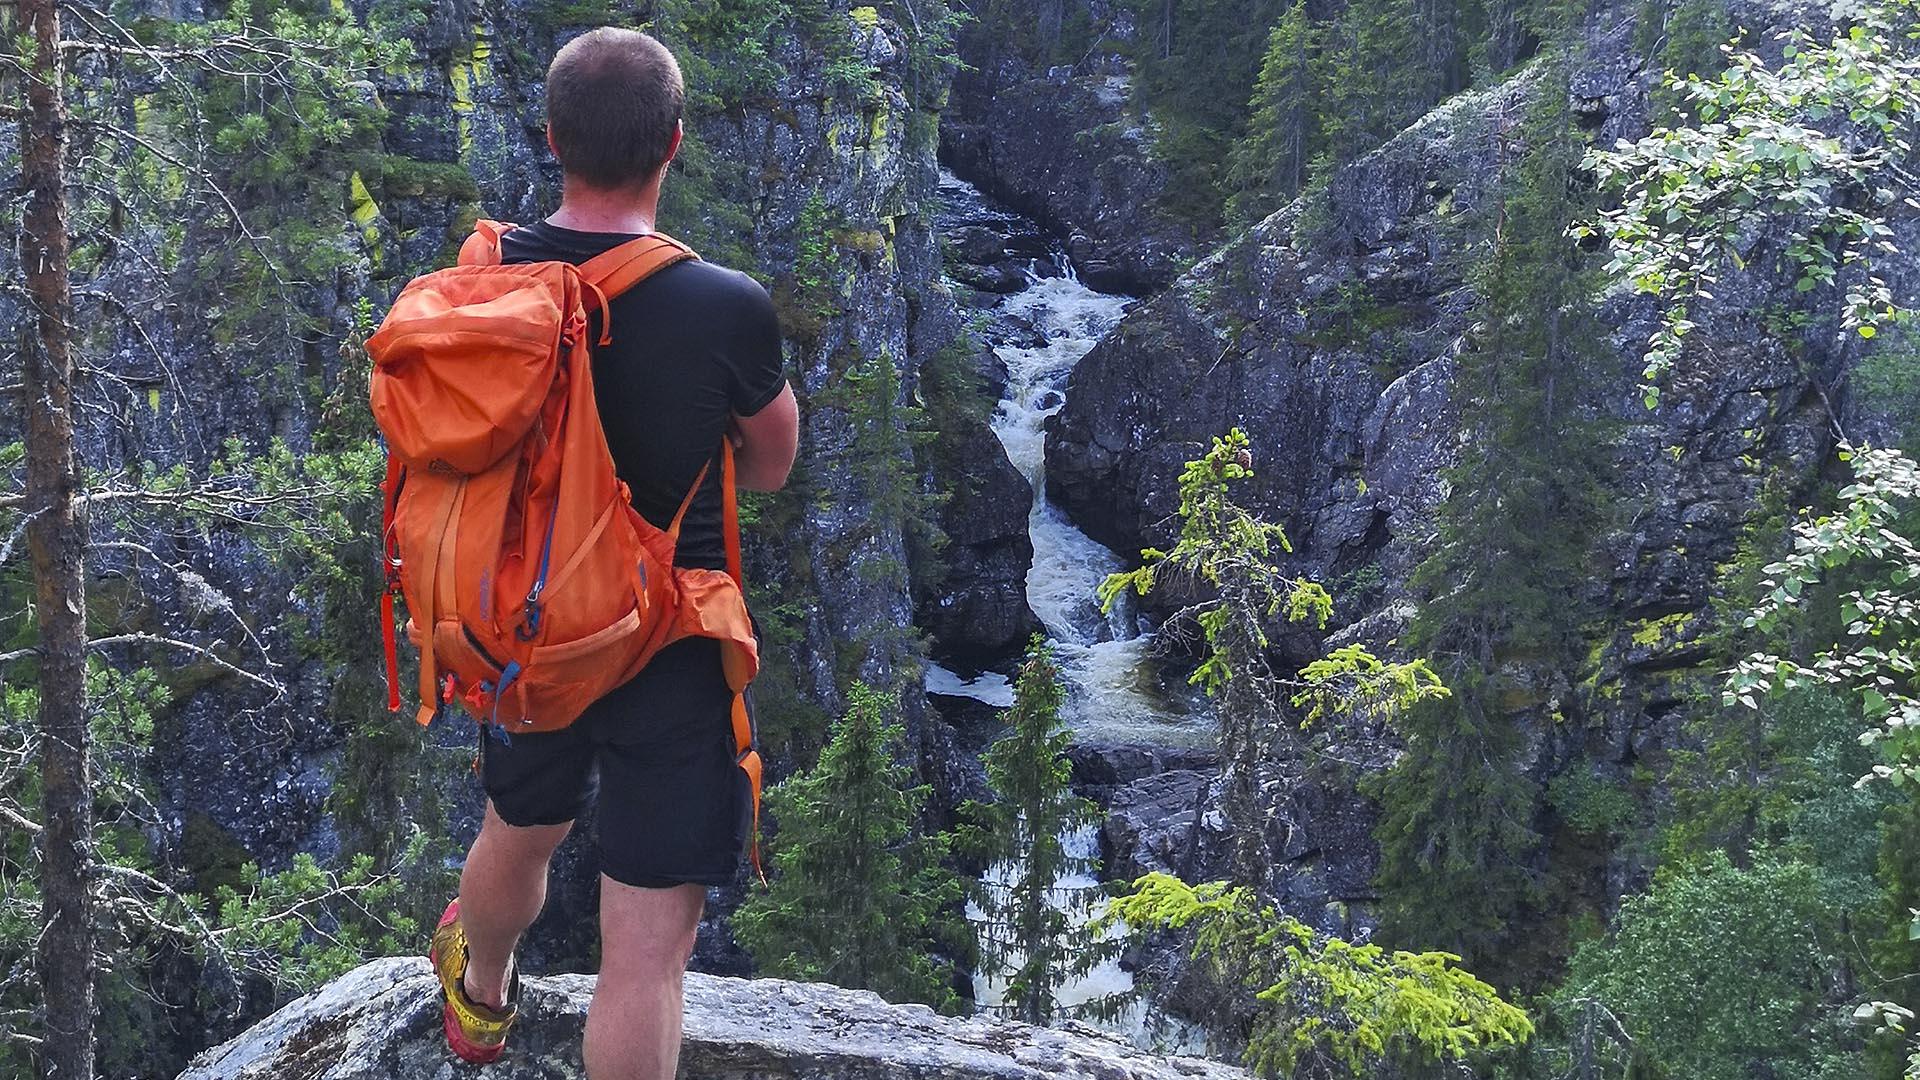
(157, 639)
(18, 822)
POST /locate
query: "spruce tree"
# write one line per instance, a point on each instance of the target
(1032, 928)
(1195, 65)
(1458, 835)
(858, 897)
(1379, 77)
(1230, 556)
(1269, 164)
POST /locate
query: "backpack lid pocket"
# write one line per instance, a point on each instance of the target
(463, 364)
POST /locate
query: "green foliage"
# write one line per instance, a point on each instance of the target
(889, 427)
(733, 63)
(1328, 1007)
(1772, 151)
(405, 177)
(1027, 930)
(817, 272)
(1224, 545)
(1387, 61)
(1269, 165)
(1194, 72)
(1230, 556)
(282, 932)
(1592, 805)
(1684, 38)
(1251, 102)
(319, 923)
(857, 898)
(1722, 969)
(1888, 381)
(1876, 660)
(288, 122)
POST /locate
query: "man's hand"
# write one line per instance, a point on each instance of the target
(764, 444)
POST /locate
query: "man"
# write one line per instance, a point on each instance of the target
(695, 358)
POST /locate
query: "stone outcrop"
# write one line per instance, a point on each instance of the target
(382, 1022)
(976, 612)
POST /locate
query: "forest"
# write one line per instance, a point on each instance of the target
(1347, 538)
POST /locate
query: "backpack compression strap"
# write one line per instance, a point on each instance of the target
(745, 756)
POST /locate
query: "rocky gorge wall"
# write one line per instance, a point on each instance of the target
(1337, 355)
(1065, 145)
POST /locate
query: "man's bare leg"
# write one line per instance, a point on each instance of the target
(502, 888)
(646, 936)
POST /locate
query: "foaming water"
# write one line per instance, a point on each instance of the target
(1113, 694)
(1112, 679)
(990, 687)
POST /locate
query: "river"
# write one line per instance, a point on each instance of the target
(1114, 685)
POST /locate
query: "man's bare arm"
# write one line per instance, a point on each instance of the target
(764, 444)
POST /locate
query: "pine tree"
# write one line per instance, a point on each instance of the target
(1269, 164)
(56, 533)
(858, 898)
(1030, 924)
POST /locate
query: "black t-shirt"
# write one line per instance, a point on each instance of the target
(691, 344)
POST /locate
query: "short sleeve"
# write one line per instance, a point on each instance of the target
(756, 367)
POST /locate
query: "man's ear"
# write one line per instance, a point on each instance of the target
(679, 130)
(550, 147)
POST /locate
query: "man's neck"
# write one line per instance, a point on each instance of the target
(585, 209)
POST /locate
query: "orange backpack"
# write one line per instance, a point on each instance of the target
(533, 585)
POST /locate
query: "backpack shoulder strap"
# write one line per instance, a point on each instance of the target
(482, 247)
(618, 269)
(730, 514)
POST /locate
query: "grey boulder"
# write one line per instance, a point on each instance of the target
(382, 1022)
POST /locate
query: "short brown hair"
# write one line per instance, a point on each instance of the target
(613, 99)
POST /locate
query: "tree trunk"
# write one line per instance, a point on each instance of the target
(56, 537)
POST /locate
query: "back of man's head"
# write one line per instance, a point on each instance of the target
(614, 99)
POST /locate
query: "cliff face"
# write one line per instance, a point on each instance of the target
(1065, 146)
(383, 1021)
(810, 164)
(1338, 358)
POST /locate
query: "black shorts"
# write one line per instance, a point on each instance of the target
(673, 807)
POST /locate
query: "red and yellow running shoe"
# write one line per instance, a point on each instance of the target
(475, 1032)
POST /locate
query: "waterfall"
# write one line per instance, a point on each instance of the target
(1113, 690)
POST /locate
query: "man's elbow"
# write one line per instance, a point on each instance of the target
(768, 442)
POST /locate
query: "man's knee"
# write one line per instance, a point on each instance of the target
(647, 933)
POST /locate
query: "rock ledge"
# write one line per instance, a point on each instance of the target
(383, 1021)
